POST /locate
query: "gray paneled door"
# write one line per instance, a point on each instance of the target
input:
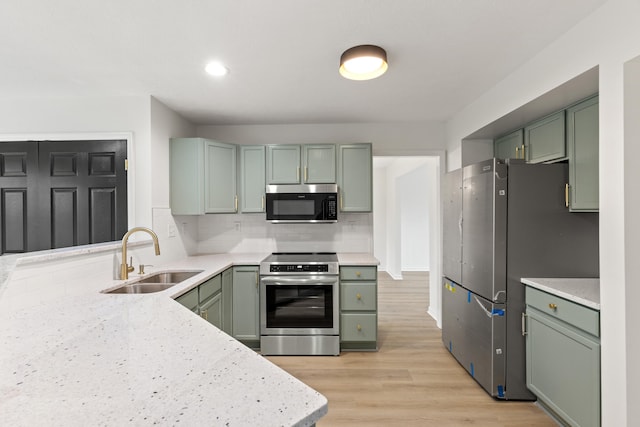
(60, 194)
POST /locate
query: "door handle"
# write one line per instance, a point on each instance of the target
(566, 195)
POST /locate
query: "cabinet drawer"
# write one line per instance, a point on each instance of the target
(358, 273)
(358, 327)
(190, 299)
(358, 296)
(577, 315)
(210, 287)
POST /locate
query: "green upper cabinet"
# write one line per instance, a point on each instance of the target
(283, 164)
(582, 145)
(202, 176)
(319, 164)
(186, 168)
(306, 164)
(509, 146)
(220, 178)
(355, 178)
(252, 178)
(544, 139)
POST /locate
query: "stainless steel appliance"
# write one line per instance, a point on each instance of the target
(503, 221)
(302, 203)
(299, 304)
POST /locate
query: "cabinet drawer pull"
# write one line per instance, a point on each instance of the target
(358, 273)
(553, 306)
(358, 296)
(359, 328)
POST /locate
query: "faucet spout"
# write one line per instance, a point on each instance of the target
(125, 269)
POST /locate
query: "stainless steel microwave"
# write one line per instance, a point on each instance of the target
(302, 203)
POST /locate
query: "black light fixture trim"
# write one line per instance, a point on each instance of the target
(362, 51)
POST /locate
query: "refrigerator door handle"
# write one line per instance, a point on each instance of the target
(523, 324)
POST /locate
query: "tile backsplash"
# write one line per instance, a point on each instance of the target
(235, 233)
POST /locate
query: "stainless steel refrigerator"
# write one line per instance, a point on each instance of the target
(504, 220)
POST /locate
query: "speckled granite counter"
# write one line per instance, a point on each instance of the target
(357, 258)
(581, 291)
(88, 358)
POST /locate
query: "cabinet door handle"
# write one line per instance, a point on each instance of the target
(298, 173)
(341, 207)
(262, 205)
(236, 202)
(517, 152)
(566, 195)
(205, 315)
(306, 173)
(523, 324)
(523, 154)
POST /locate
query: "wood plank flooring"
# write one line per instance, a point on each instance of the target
(412, 380)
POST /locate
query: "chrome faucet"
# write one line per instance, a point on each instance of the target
(126, 269)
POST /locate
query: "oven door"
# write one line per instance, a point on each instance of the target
(299, 305)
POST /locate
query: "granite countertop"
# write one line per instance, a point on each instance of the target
(96, 359)
(582, 291)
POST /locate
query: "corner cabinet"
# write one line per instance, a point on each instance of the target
(563, 357)
(582, 144)
(252, 178)
(358, 308)
(202, 177)
(355, 178)
(246, 308)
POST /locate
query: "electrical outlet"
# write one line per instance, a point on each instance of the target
(171, 230)
(237, 225)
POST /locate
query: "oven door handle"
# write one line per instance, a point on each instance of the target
(297, 280)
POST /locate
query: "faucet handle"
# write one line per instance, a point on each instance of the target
(130, 267)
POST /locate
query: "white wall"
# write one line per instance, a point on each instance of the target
(607, 38)
(179, 233)
(414, 219)
(632, 245)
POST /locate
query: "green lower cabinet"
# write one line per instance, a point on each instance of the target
(190, 300)
(227, 301)
(563, 359)
(211, 311)
(358, 308)
(246, 328)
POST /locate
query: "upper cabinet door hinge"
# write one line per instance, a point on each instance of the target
(126, 164)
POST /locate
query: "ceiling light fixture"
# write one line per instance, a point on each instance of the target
(364, 62)
(216, 69)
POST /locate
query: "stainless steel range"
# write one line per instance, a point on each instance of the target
(299, 304)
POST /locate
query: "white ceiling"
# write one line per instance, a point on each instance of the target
(283, 54)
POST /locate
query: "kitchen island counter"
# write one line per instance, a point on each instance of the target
(74, 356)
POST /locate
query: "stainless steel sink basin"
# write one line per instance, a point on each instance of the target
(141, 288)
(154, 283)
(169, 277)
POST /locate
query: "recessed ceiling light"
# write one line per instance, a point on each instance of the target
(216, 69)
(363, 62)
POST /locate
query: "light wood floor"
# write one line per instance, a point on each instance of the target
(412, 380)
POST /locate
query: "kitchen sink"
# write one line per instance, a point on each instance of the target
(141, 288)
(156, 282)
(169, 277)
